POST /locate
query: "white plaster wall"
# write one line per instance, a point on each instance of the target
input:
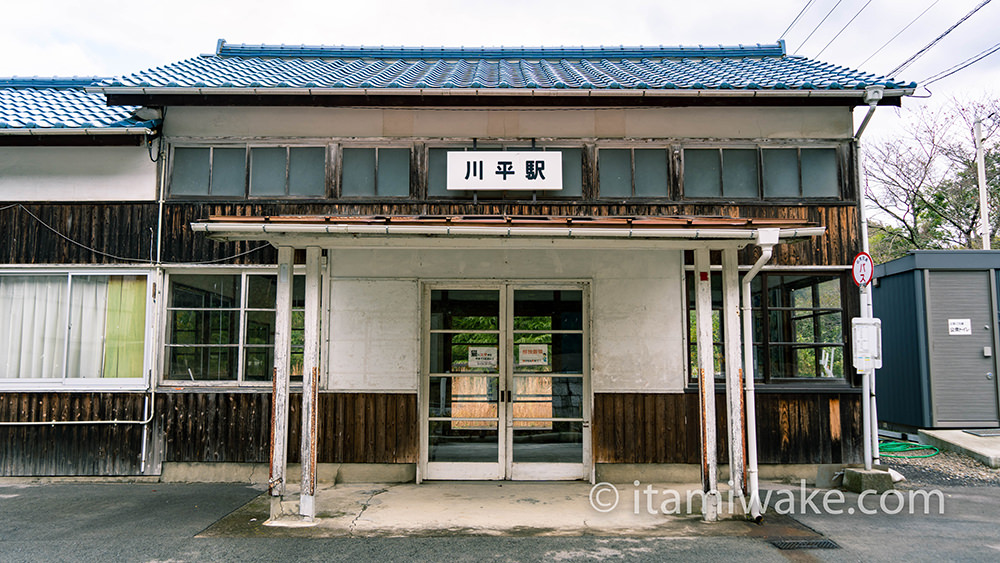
(681, 122)
(374, 335)
(76, 174)
(637, 311)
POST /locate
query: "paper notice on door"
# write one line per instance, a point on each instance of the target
(482, 357)
(959, 326)
(532, 354)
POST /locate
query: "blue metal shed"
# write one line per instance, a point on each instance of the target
(939, 336)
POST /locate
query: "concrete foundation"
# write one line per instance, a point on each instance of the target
(858, 480)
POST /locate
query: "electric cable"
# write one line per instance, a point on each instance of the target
(843, 28)
(921, 52)
(962, 65)
(789, 28)
(900, 32)
(818, 26)
(123, 258)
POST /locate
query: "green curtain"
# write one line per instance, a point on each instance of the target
(125, 330)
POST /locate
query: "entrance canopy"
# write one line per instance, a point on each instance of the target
(501, 231)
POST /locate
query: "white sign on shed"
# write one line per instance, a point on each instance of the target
(959, 326)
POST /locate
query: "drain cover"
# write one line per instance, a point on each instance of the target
(805, 544)
(984, 433)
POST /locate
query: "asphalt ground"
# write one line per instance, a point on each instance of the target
(171, 522)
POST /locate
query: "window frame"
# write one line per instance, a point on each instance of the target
(761, 310)
(163, 345)
(94, 383)
(668, 155)
(840, 154)
(338, 169)
(328, 166)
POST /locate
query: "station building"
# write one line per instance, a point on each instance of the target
(432, 263)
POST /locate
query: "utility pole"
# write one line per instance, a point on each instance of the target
(984, 211)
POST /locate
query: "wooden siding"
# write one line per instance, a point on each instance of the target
(235, 427)
(195, 427)
(663, 428)
(88, 449)
(383, 428)
(126, 230)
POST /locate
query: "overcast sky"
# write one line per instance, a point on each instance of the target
(108, 38)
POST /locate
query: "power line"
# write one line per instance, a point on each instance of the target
(900, 32)
(920, 53)
(809, 3)
(843, 28)
(818, 26)
(122, 258)
(962, 65)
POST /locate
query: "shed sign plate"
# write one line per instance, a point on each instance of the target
(959, 326)
(504, 170)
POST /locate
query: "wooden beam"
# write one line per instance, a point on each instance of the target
(734, 371)
(282, 365)
(706, 384)
(310, 378)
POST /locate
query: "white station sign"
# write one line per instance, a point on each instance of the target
(504, 170)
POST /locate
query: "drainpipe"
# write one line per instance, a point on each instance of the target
(766, 239)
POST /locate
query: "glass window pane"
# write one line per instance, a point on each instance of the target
(125, 327)
(465, 309)
(548, 442)
(307, 171)
(819, 173)
(189, 291)
(615, 168)
(32, 326)
(267, 171)
(258, 363)
(463, 440)
(260, 327)
(189, 171)
(358, 177)
(781, 173)
(701, 173)
(739, 173)
(464, 353)
(572, 171)
(651, 173)
(229, 172)
(262, 291)
(394, 172)
(202, 363)
(560, 309)
(437, 173)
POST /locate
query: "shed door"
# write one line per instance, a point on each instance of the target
(963, 378)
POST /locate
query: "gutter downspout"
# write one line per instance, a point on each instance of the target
(766, 239)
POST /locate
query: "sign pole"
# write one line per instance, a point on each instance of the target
(867, 344)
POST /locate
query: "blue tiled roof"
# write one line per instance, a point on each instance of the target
(59, 103)
(756, 67)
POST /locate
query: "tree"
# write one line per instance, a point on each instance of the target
(923, 183)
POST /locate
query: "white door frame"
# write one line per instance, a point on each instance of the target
(504, 468)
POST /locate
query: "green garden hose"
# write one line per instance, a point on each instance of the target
(895, 449)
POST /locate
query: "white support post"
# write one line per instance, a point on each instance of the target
(734, 368)
(706, 384)
(282, 365)
(310, 380)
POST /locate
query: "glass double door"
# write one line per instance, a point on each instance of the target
(505, 387)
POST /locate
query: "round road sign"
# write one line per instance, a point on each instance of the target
(863, 269)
